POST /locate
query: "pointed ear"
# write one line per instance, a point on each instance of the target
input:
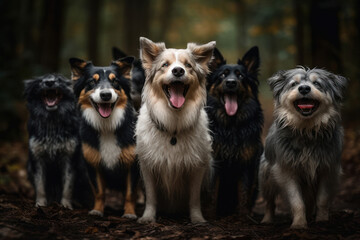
(218, 60)
(203, 53)
(77, 68)
(251, 60)
(117, 53)
(125, 65)
(149, 51)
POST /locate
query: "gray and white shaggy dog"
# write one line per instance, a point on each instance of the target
(302, 153)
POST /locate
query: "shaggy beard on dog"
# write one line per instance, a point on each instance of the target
(54, 145)
(173, 140)
(303, 147)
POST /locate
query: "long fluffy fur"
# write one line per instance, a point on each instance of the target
(302, 153)
(173, 174)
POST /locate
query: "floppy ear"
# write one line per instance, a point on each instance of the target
(251, 60)
(203, 54)
(277, 82)
(149, 51)
(218, 60)
(77, 68)
(29, 85)
(125, 65)
(339, 84)
(117, 53)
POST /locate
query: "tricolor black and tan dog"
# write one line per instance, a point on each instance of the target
(54, 142)
(173, 139)
(236, 122)
(107, 129)
(302, 153)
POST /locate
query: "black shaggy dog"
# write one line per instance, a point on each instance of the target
(107, 129)
(137, 77)
(54, 144)
(236, 122)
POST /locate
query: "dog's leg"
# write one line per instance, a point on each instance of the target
(297, 205)
(151, 201)
(130, 199)
(99, 193)
(39, 182)
(325, 194)
(269, 210)
(68, 184)
(195, 193)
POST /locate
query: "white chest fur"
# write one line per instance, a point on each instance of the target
(109, 149)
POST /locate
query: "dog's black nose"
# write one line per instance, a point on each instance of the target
(105, 95)
(49, 83)
(304, 89)
(178, 71)
(230, 83)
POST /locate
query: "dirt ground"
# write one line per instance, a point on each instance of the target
(19, 219)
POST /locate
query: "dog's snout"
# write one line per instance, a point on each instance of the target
(304, 89)
(178, 71)
(105, 95)
(230, 83)
(49, 83)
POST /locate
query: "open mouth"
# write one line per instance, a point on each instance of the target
(230, 103)
(176, 92)
(306, 106)
(104, 109)
(51, 98)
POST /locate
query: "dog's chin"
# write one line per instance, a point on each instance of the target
(306, 106)
(175, 93)
(51, 98)
(103, 109)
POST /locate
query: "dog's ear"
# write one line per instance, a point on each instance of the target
(77, 67)
(29, 85)
(251, 60)
(277, 83)
(203, 54)
(339, 84)
(218, 60)
(149, 51)
(124, 65)
(117, 53)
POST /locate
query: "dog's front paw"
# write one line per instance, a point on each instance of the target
(298, 225)
(129, 216)
(66, 204)
(267, 219)
(322, 217)
(96, 213)
(198, 220)
(41, 202)
(146, 220)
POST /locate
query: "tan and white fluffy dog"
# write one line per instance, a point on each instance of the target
(173, 140)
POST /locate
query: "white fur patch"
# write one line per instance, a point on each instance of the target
(104, 124)
(50, 147)
(109, 149)
(95, 96)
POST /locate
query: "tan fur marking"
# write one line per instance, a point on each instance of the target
(127, 155)
(112, 76)
(313, 77)
(84, 99)
(122, 101)
(92, 156)
(247, 153)
(297, 77)
(96, 77)
(130, 197)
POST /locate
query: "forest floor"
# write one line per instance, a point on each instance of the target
(19, 219)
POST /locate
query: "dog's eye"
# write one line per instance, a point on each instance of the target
(294, 84)
(316, 83)
(223, 75)
(91, 82)
(188, 65)
(165, 65)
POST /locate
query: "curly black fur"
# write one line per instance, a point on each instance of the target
(236, 129)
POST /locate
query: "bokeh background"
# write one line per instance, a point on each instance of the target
(39, 36)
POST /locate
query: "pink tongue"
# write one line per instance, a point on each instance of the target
(305, 106)
(105, 109)
(50, 102)
(177, 98)
(231, 105)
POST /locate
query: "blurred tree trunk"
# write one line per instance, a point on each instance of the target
(51, 35)
(299, 32)
(241, 25)
(93, 30)
(165, 19)
(136, 24)
(325, 34)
